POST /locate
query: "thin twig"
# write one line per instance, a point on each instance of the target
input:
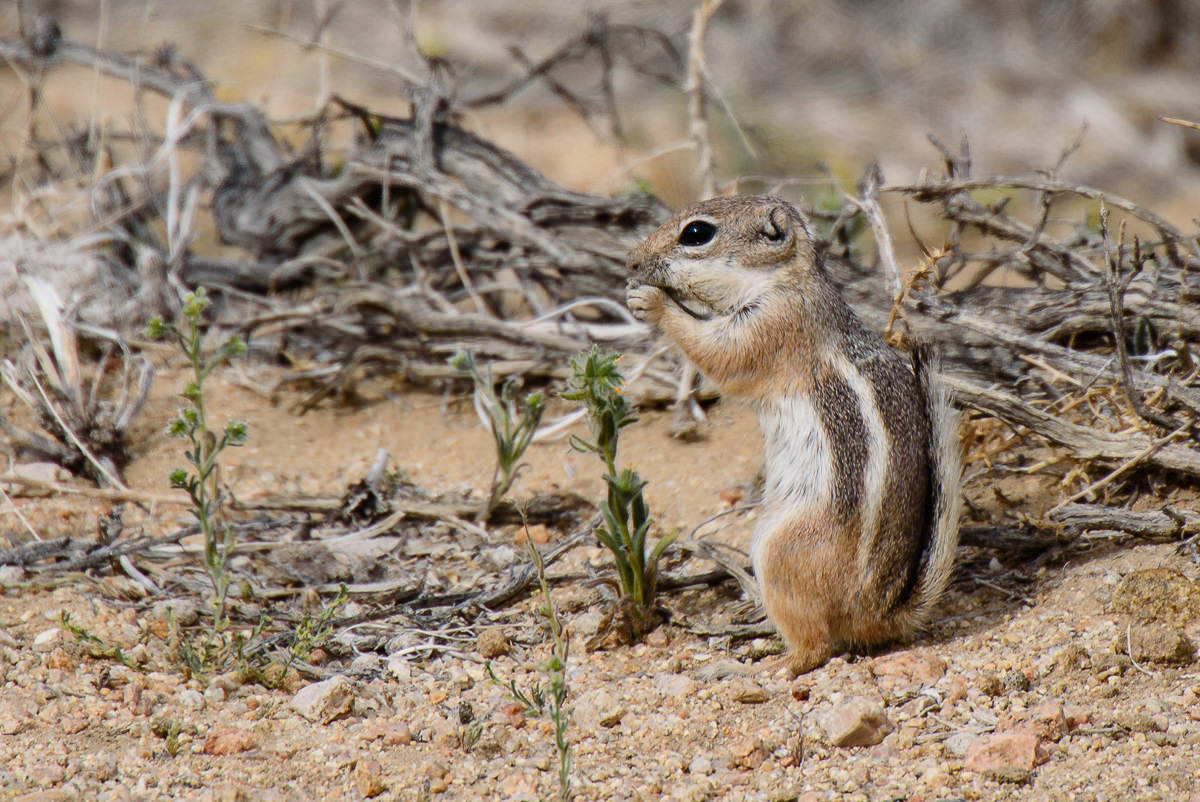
(108, 494)
(1129, 651)
(17, 511)
(1183, 123)
(868, 202)
(334, 217)
(459, 268)
(1119, 471)
(1116, 285)
(74, 438)
(409, 81)
(693, 87)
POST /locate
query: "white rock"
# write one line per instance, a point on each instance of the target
(365, 663)
(11, 575)
(38, 472)
(326, 700)
(355, 548)
(399, 668)
(228, 682)
(958, 743)
(586, 625)
(120, 675)
(48, 639)
(701, 764)
(719, 670)
(597, 708)
(192, 698)
(855, 722)
(101, 766)
(676, 685)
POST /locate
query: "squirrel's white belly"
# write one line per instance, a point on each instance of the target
(798, 467)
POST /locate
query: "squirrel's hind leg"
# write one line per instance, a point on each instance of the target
(795, 595)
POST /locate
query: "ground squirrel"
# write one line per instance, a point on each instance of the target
(859, 519)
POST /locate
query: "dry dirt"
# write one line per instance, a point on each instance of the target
(1024, 688)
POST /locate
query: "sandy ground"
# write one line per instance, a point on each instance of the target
(1022, 654)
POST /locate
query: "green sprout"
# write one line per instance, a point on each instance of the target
(204, 445)
(537, 702)
(513, 423)
(625, 517)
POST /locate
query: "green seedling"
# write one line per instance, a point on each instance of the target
(97, 647)
(513, 423)
(204, 446)
(549, 701)
(314, 630)
(596, 383)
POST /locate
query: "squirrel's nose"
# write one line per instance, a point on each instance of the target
(636, 260)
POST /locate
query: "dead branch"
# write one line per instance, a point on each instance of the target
(1117, 285)
(1083, 519)
(84, 431)
(107, 494)
(942, 188)
(1083, 442)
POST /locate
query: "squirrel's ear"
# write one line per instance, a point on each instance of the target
(777, 224)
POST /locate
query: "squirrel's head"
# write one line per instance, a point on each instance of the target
(719, 255)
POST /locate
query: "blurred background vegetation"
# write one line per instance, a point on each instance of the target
(809, 82)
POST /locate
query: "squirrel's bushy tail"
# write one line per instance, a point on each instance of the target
(945, 461)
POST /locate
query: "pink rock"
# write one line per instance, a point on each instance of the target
(748, 753)
(14, 725)
(908, 668)
(1076, 715)
(397, 733)
(1047, 721)
(368, 777)
(514, 785)
(1005, 751)
(47, 776)
(229, 742)
(678, 686)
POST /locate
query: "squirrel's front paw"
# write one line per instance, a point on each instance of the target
(645, 302)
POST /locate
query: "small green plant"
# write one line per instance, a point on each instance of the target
(314, 630)
(218, 650)
(625, 517)
(172, 738)
(550, 701)
(470, 729)
(204, 445)
(97, 647)
(513, 423)
(169, 730)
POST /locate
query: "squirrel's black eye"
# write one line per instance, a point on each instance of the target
(697, 232)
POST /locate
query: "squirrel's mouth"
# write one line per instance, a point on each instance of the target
(693, 306)
(655, 276)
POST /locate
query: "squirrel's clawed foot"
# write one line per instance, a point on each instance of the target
(645, 302)
(795, 663)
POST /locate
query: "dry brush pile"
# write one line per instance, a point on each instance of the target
(1067, 316)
